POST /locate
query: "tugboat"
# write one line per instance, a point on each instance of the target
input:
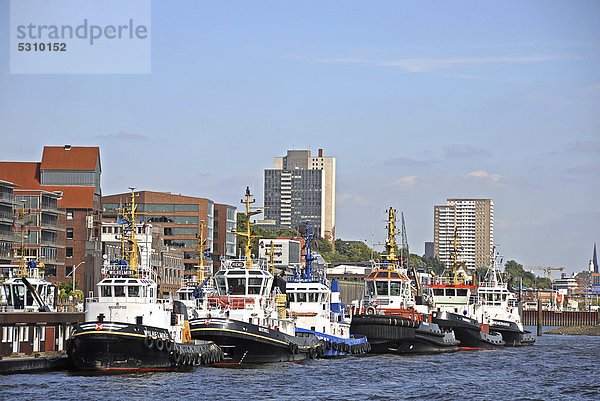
(456, 304)
(500, 307)
(316, 308)
(127, 327)
(388, 314)
(248, 317)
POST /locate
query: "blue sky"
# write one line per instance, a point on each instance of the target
(418, 101)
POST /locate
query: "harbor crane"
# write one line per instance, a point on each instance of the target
(547, 269)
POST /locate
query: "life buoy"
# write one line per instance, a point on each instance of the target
(370, 310)
(160, 344)
(149, 342)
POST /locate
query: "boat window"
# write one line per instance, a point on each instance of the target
(450, 292)
(133, 291)
(394, 275)
(119, 291)
(254, 285)
(220, 285)
(382, 287)
(237, 286)
(120, 281)
(370, 288)
(461, 292)
(301, 297)
(144, 292)
(105, 291)
(396, 287)
(382, 274)
(312, 297)
(438, 291)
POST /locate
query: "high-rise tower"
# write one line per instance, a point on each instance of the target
(301, 188)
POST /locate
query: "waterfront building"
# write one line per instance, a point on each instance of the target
(7, 199)
(181, 218)
(301, 188)
(71, 176)
(473, 221)
(224, 242)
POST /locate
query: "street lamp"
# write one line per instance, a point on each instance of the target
(73, 274)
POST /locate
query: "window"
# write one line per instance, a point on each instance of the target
(395, 288)
(69, 252)
(105, 291)
(69, 215)
(133, 291)
(382, 287)
(69, 233)
(119, 291)
(68, 270)
(237, 286)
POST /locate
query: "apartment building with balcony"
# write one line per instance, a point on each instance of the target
(73, 173)
(473, 222)
(7, 200)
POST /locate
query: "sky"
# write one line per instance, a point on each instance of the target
(418, 102)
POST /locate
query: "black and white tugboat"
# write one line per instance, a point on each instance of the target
(247, 317)
(456, 303)
(500, 307)
(127, 327)
(316, 307)
(388, 314)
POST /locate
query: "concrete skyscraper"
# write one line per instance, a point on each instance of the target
(474, 223)
(301, 188)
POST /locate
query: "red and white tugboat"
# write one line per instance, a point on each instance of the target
(388, 314)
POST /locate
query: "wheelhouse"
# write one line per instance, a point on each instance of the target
(244, 282)
(126, 289)
(387, 283)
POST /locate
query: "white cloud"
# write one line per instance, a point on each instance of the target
(409, 180)
(427, 64)
(485, 175)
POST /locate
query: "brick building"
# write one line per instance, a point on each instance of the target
(74, 173)
(180, 216)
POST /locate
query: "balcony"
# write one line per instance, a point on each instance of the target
(7, 198)
(6, 216)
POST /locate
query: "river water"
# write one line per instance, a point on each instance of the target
(556, 367)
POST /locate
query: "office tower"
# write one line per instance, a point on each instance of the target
(301, 188)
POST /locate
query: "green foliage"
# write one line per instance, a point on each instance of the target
(346, 251)
(514, 272)
(434, 264)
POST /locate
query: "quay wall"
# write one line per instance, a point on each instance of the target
(569, 318)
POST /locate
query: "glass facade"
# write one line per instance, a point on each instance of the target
(153, 207)
(293, 197)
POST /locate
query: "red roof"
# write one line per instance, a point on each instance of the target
(74, 197)
(24, 174)
(70, 158)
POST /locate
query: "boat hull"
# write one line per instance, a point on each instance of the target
(247, 343)
(467, 331)
(125, 347)
(511, 333)
(397, 334)
(334, 346)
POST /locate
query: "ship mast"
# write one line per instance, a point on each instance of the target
(201, 272)
(248, 234)
(390, 243)
(129, 246)
(308, 256)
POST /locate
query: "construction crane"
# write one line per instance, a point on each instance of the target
(547, 269)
